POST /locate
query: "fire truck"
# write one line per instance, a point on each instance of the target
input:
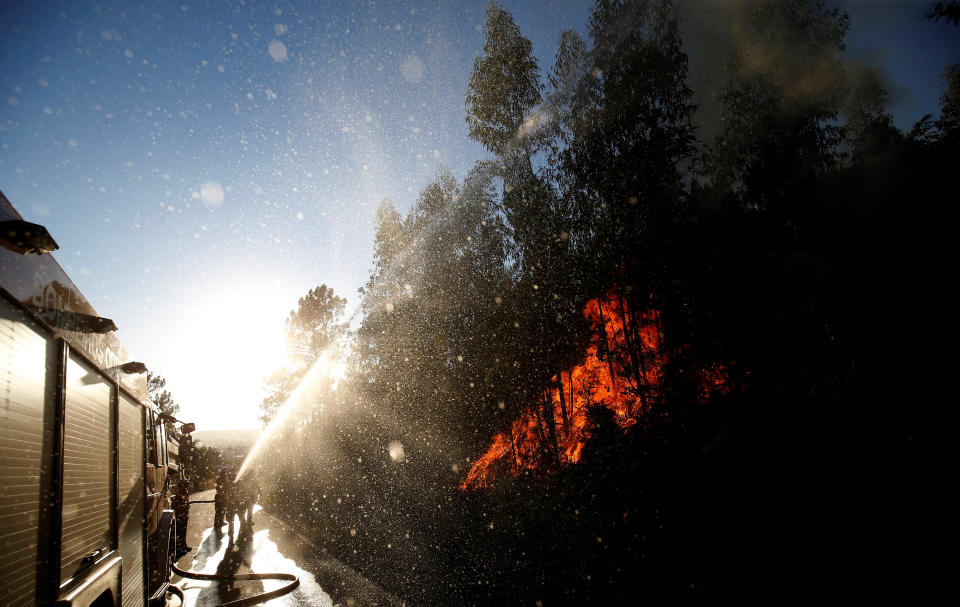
(87, 463)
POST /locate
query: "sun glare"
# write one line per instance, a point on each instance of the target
(244, 331)
(230, 343)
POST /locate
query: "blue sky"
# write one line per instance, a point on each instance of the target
(204, 164)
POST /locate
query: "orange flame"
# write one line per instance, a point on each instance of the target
(622, 371)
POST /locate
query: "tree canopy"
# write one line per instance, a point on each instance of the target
(625, 345)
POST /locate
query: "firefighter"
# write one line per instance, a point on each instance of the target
(181, 510)
(218, 501)
(249, 495)
(231, 501)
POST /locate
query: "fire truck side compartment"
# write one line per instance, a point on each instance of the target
(87, 468)
(52, 401)
(130, 496)
(82, 466)
(27, 397)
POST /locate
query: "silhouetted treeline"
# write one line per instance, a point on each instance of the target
(783, 238)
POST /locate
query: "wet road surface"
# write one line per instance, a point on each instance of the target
(268, 546)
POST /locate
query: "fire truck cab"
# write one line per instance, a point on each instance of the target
(85, 460)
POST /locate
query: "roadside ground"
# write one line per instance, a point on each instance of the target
(268, 546)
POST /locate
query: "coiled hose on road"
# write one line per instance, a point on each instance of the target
(251, 600)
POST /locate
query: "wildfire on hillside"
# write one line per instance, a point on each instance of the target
(622, 371)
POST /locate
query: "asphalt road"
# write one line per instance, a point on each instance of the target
(268, 546)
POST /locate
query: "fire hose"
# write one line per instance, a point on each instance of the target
(251, 600)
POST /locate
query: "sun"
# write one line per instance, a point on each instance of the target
(244, 328)
(227, 344)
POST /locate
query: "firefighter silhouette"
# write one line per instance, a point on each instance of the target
(181, 510)
(219, 501)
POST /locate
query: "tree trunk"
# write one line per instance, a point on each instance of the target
(563, 404)
(635, 349)
(606, 349)
(545, 414)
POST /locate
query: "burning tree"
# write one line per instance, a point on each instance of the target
(622, 371)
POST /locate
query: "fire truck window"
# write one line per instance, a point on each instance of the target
(162, 443)
(151, 440)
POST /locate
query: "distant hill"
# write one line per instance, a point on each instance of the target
(240, 440)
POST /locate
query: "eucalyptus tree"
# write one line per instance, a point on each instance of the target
(504, 86)
(869, 128)
(949, 122)
(316, 323)
(507, 113)
(624, 137)
(784, 89)
(157, 392)
(313, 327)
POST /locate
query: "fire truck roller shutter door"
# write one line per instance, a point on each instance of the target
(87, 466)
(130, 499)
(26, 436)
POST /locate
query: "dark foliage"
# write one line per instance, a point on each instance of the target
(948, 11)
(805, 258)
